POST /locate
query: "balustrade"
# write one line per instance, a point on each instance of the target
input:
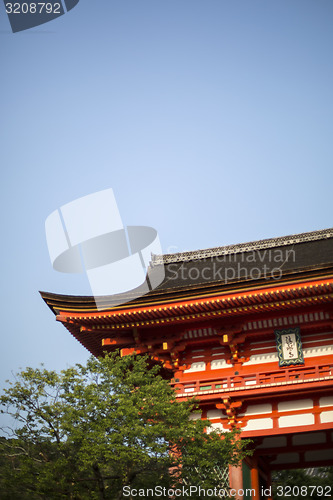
(264, 378)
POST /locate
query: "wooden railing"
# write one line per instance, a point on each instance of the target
(264, 378)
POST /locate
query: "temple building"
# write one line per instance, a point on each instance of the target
(247, 329)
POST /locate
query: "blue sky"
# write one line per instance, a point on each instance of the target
(210, 119)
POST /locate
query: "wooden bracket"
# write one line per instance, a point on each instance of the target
(233, 339)
(231, 409)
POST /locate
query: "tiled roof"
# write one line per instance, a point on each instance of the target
(243, 247)
(264, 263)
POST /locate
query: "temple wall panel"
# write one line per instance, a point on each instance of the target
(326, 417)
(211, 414)
(326, 401)
(197, 366)
(217, 364)
(258, 424)
(273, 442)
(301, 404)
(318, 455)
(296, 420)
(277, 415)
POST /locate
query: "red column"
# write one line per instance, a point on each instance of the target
(236, 481)
(255, 480)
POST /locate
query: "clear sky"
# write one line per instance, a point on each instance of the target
(210, 119)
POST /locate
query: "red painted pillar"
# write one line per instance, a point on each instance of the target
(255, 480)
(236, 481)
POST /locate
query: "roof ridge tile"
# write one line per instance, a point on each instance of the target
(242, 247)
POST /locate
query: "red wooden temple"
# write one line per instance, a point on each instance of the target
(247, 329)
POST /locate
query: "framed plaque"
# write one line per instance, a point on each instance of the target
(289, 346)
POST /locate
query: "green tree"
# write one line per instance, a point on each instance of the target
(317, 483)
(92, 430)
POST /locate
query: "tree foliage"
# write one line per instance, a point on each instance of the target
(317, 483)
(91, 430)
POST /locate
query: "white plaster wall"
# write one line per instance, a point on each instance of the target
(326, 401)
(258, 409)
(218, 363)
(198, 366)
(214, 414)
(300, 404)
(195, 416)
(317, 351)
(296, 420)
(259, 424)
(218, 426)
(271, 357)
(256, 359)
(326, 417)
